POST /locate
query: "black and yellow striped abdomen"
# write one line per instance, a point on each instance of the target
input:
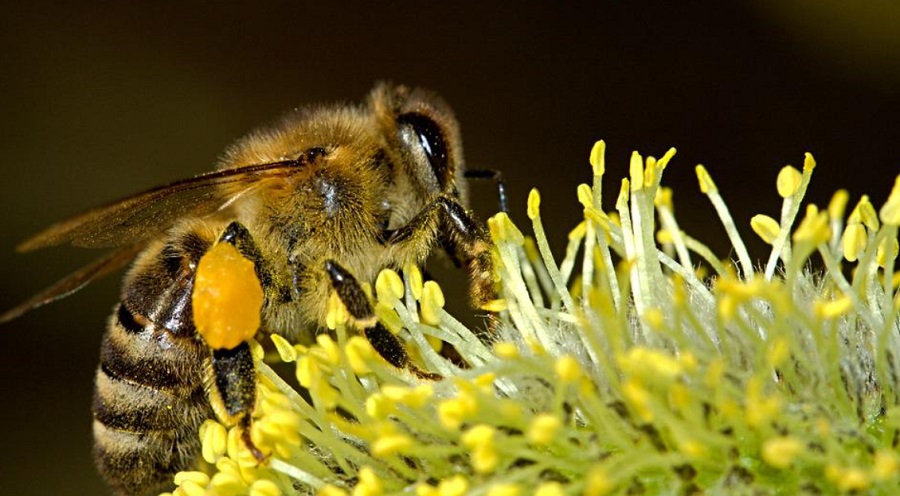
(150, 396)
(149, 401)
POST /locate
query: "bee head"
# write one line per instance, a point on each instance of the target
(422, 136)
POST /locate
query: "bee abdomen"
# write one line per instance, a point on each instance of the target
(149, 402)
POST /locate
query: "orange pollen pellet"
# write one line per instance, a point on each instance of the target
(227, 297)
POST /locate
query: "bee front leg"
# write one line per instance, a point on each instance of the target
(465, 241)
(470, 243)
(357, 303)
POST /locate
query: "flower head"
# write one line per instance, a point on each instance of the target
(640, 362)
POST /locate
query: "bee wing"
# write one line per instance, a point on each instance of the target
(146, 214)
(76, 280)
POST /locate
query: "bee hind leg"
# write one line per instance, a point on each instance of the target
(232, 371)
(357, 303)
(233, 391)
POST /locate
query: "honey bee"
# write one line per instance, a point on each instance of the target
(319, 202)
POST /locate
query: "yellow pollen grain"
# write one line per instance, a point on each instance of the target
(598, 158)
(867, 214)
(568, 369)
(388, 286)
(306, 371)
(286, 350)
(639, 398)
(788, 181)
(387, 315)
(227, 297)
(432, 303)
(485, 382)
(778, 351)
(395, 393)
(663, 198)
(650, 364)
(454, 486)
(890, 211)
(549, 489)
(680, 396)
(838, 204)
(847, 479)
(379, 406)
(578, 231)
(666, 158)
(809, 163)
(602, 219)
(190, 488)
(502, 228)
(478, 436)
(814, 227)
(331, 490)
(780, 452)
(881, 254)
(424, 489)
(598, 482)
(496, 306)
(453, 412)
(688, 360)
(693, 449)
(228, 483)
(196, 477)
(762, 411)
(534, 204)
(853, 241)
(369, 483)
(214, 439)
(359, 352)
(264, 487)
(636, 171)
(655, 318)
(256, 349)
(885, 466)
(415, 280)
(650, 172)
(544, 428)
(484, 459)
(506, 350)
(706, 183)
(624, 195)
(504, 489)
(331, 350)
(664, 237)
(390, 445)
(834, 308)
(585, 196)
(765, 227)
(337, 313)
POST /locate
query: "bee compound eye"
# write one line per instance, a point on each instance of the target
(426, 134)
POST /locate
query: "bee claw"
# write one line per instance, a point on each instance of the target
(248, 441)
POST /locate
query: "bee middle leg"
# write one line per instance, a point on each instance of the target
(357, 303)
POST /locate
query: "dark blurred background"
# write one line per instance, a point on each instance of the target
(104, 100)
